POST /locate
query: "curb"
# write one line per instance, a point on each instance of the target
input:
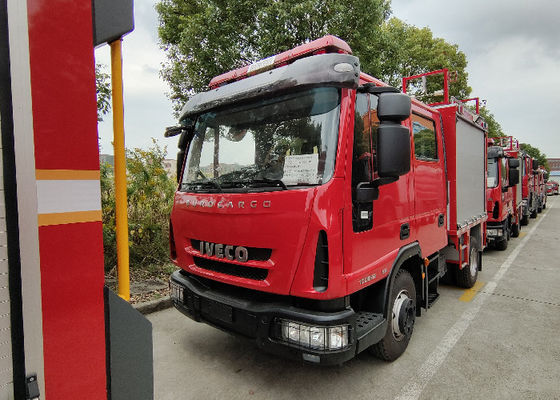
(149, 307)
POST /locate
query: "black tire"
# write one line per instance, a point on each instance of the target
(525, 220)
(539, 210)
(402, 314)
(515, 230)
(501, 244)
(534, 214)
(544, 206)
(466, 277)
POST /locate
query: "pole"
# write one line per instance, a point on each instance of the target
(121, 210)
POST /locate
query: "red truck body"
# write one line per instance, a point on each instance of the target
(504, 191)
(321, 268)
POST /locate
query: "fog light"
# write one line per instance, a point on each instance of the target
(176, 292)
(315, 337)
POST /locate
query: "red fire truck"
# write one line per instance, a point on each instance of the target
(318, 207)
(503, 193)
(540, 188)
(528, 166)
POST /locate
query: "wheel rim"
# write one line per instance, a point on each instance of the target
(473, 263)
(403, 315)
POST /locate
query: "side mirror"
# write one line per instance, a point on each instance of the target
(393, 107)
(513, 162)
(393, 150)
(513, 177)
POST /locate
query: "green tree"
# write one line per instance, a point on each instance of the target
(150, 198)
(103, 86)
(204, 38)
(407, 50)
(494, 128)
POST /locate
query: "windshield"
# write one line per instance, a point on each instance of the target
(492, 173)
(286, 141)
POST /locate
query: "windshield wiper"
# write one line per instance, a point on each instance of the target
(204, 184)
(277, 182)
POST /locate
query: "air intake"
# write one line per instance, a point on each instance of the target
(321, 272)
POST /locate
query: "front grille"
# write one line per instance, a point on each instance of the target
(255, 253)
(257, 274)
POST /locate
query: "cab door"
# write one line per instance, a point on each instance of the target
(430, 188)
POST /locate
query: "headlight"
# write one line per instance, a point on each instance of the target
(494, 232)
(176, 292)
(315, 337)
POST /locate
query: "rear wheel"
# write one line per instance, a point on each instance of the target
(402, 315)
(525, 220)
(515, 230)
(467, 276)
(534, 214)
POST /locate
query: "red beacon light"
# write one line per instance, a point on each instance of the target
(326, 44)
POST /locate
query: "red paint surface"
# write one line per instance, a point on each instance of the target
(63, 84)
(73, 313)
(65, 133)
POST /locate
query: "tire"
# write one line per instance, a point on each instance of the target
(515, 230)
(466, 277)
(534, 214)
(539, 210)
(501, 244)
(402, 315)
(544, 206)
(525, 220)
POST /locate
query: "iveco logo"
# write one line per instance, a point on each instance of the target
(238, 253)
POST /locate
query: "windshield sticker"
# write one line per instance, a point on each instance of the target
(301, 169)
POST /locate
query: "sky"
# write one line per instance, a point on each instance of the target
(512, 48)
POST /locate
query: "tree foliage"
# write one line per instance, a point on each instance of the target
(406, 50)
(494, 128)
(204, 38)
(103, 88)
(150, 197)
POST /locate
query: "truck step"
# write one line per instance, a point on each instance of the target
(366, 322)
(432, 298)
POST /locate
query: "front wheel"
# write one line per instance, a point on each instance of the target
(466, 277)
(401, 318)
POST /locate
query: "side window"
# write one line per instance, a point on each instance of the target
(504, 172)
(363, 157)
(425, 140)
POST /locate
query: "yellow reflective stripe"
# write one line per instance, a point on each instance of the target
(69, 217)
(66, 174)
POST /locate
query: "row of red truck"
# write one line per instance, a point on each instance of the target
(318, 209)
(516, 190)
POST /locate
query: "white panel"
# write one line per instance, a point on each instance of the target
(471, 165)
(68, 196)
(26, 190)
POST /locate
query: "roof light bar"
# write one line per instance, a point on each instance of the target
(326, 44)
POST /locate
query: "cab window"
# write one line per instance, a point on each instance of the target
(425, 141)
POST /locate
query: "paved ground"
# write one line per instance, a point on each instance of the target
(499, 342)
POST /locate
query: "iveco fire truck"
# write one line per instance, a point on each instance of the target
(503, 193)
(318, 208)
(530, 197)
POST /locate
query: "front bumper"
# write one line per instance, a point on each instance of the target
(494, 231)
(259, 320)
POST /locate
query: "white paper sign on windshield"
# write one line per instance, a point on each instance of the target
(301, 169)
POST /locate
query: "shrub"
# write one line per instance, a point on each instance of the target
(150, 198)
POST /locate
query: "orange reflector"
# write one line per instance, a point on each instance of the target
(423, 275)
(426, 262)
